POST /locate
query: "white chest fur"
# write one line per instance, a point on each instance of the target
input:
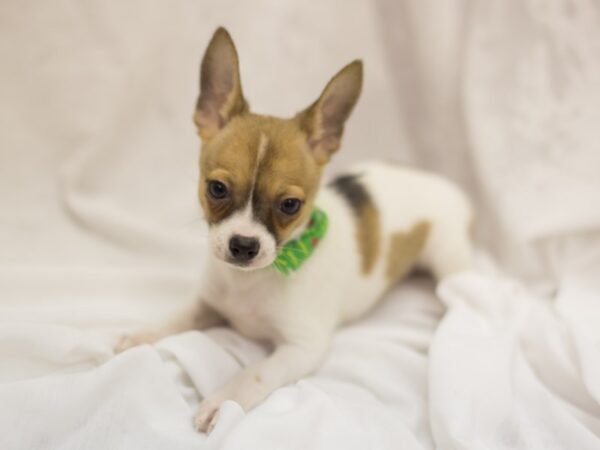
(248, 300)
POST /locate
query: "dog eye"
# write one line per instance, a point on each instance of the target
(217, 190)
(290, 206)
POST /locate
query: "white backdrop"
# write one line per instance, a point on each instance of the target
(100, 230)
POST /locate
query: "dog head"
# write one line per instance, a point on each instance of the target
(259, 174)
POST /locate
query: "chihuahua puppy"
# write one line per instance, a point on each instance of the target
(290, 260)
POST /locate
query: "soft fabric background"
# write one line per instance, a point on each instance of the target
(100, 231)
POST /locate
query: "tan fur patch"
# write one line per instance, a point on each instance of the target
(366, 217)
(404, 249)
(368, 237)
(264, 158)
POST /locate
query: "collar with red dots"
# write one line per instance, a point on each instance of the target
(293, 254)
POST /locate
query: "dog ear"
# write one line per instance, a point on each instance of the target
(323, 121)
(221, 96)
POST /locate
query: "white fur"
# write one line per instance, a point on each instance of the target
(299, 313)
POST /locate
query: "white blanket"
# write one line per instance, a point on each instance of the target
(100, 231)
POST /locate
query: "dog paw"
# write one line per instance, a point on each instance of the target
(207, 415)
(128, 341)
(124, 343)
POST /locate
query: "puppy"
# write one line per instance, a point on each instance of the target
(291, 261)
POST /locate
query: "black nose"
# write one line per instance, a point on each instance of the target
(243, 248)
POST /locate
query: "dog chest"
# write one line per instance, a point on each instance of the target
(250, 306)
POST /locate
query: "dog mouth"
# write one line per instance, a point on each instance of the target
(247, 266)
(243, 265)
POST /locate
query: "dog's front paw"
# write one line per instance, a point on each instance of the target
(133, 340)
(206, 417)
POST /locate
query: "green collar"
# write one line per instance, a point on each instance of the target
(295, 252)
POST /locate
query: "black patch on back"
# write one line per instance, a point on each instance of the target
(349, 187)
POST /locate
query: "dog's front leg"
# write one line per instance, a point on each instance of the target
(288, 363)
(198, 316)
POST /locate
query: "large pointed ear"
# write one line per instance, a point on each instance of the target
(323, 121)
(221, 96)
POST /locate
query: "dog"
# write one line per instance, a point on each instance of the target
(291, 261)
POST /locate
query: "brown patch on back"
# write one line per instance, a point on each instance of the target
(368, 237)
(404, 249)
(367, 218)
